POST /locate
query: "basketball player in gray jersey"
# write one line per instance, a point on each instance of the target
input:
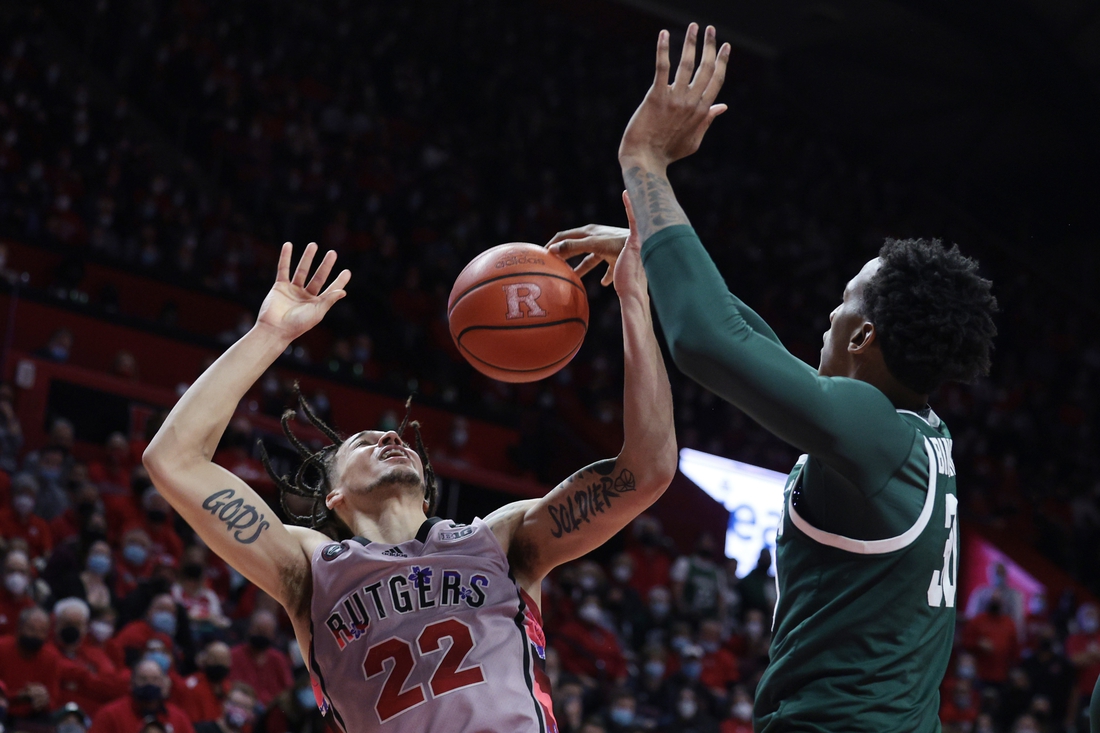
(410, 624)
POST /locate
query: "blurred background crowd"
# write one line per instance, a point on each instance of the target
(183, 141)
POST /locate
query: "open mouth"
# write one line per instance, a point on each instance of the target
(392, 452)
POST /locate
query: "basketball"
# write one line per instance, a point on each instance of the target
(518, 313)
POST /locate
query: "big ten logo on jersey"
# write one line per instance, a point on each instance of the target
(944, 583)
(525, 294)
(415, 589)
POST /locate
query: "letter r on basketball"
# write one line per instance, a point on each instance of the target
(527, 294)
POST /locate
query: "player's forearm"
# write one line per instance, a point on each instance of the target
(195, 425)
(656, 207)
(649, 435)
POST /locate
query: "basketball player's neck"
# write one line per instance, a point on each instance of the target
(391, 522)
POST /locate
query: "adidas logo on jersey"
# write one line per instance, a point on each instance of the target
(394, 552)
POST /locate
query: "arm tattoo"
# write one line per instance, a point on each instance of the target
(654, 202)
(598, 489)
(239, 517)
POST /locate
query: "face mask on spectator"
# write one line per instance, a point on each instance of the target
(148, 693)
(216, 672)
(164, 622)
(85, 508)
(306, 698)
(687, 709)
(156, 516)
(69, 634)
(50, 473)
(692, 670)
(659, 609)
(589, 582)
(679, 642)
(237, 717)
(621, 573)
(161, 658)
(191, 571)
(966, 671)
(16, 583)
(99, 564)
(101, 630)
(70, 726)
(743, 710)
(259, 642)
(590, 613)
(622, 716)
(1089, 624)
(23, 504)
(135, 554)
(710, 647)
(655, 668)
(30, 644)
(754, 629)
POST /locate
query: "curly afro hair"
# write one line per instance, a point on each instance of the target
(933, 313)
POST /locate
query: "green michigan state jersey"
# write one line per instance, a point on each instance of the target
(863, 628)
(867, 548)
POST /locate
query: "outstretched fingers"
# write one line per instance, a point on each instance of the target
(323, 270)
(304, 264)
(336, 288)
(714, 84)
(282, 273)
(706, 65)
(661, 79)
(687, 57)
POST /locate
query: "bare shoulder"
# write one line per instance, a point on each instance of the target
(521, 555)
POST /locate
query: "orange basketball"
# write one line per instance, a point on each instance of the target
(518, 313)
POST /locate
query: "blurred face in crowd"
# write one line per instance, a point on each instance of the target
(215, 661)
(70, 626)
(237, 711)
(17, 573)
(660, 602)
(261, 630)
(710, 635)
(149, 685)
(23, 496)
(34, 630)
(61, 433)
(754, 624)
(622, 568)
(162, 614)
(135, 547)
(99, 558)
(623, 709)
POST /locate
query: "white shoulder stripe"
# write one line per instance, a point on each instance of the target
(874, 547)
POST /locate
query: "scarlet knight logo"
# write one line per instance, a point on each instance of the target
(527, 294)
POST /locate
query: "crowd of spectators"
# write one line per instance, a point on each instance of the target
(312, 121)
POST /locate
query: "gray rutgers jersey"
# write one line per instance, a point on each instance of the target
(432, 634)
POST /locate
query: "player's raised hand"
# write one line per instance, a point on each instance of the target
(601, 244)
(628, 272)
(293, 305)
(672, 119)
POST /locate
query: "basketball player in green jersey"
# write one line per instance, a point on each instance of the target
(867, 547)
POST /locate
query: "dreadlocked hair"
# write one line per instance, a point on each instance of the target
(933, 313)
(311, 482)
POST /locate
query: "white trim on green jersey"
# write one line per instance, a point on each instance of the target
(874, 547)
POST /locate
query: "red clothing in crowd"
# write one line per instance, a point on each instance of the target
(1088, 674)
(127, 576)
(122, 716)
(651, 569)
(736, 726)
(954, 710)
(590, 650)
(268, 673)
(134, 635)
(197, 697)
(720, 670)
(10, 608)
(122, 510)
(99, 682)
(65, 525)
(32, 528)
(45, 667)
(999, 632)
(163, 536)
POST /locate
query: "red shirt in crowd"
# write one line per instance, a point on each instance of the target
(651, 569)
(44, 667)
(122, 716)
(65, 525)
(590, 650)
(163, 536)
(10, 608)
(134, 635)
(127, 576)
(993, 642)
(1089, 673)
(719, 670)
(99, 681)
(198, 698)
(268, 673)
(954, 709)
(32, 528)
(736, 726)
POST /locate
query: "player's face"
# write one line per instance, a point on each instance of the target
(845, 323)
(374, 458)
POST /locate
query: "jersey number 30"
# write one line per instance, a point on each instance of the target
(941, 591)
(446, 678)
